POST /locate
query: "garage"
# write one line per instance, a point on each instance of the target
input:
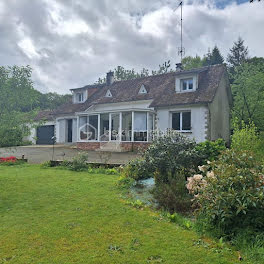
(45, 135)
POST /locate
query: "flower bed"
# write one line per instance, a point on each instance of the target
(8, 159)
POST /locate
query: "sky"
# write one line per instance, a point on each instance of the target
(71, 43)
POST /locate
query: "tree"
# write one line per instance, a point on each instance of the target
(120, 73)
(238, 53)
(248, 94)
(192, 62)
(17, 97)
(164, 68)
(51, 101)
(214, 57)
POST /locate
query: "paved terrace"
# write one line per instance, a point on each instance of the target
(41, 153)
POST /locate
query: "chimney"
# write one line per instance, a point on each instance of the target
(179, 67)
(109, 78)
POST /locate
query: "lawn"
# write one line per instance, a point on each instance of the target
(56, 216)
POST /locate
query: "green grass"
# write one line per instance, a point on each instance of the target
(56, 216)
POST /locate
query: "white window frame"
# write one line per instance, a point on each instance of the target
(108, 94)
(188, 80)
(78, 97)
(181, 112)
(142, 90)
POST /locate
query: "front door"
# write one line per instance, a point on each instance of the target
(69, 130)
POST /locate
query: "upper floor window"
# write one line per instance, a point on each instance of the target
(187, 84)
(79, 97)
(181, 121)
(142, 90)
(108, 93)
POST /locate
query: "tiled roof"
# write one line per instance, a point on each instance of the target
(45, 115)
(161, 90)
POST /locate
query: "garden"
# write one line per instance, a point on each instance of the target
(207, 187)
(203, 203)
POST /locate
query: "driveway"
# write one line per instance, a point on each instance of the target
(41, 153)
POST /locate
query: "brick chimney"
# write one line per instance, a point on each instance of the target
(109, 78)
(179, 67)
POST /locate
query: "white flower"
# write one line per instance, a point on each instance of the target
(201, 168)
(197, 177)
(210, 174)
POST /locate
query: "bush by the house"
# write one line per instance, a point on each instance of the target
(138, 169)
(230, 194)
(78, 163)
(246, 138)
(210, 150)
(173, 196)
(11, 137)
(170, 155)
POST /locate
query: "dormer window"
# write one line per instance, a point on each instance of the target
(142, 90)
(79, 97)
(108, 93)
(186, 85)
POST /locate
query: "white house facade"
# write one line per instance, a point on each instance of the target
(124, 115)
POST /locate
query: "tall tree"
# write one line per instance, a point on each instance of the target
(238, 53)
(17, 96)
(214, 57)
(248, 94)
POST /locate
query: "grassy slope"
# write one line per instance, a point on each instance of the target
(58, 216)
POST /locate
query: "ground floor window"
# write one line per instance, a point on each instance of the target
(140, 126)
(120, 126)
(181, 121)
(88, 127)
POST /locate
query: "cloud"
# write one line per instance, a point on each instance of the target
(70, 43)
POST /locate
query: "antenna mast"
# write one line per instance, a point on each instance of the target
(181, 50)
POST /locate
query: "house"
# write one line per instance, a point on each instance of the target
(122, 115)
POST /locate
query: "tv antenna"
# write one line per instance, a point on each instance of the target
(181, 49)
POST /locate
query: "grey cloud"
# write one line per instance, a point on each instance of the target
(119, 33)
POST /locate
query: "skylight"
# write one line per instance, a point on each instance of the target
(108, 93)
(142, 90)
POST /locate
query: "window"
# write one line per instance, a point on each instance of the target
(88, 127)
(115, 126)
(187, 84)
(140, 126)
(126, 126)
(108, 94)
(142, 90)
(104, 127)
(80, 97)
(181, 121)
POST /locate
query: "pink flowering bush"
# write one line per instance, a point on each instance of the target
(229, 193)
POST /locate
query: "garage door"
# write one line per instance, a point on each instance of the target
(44, 135)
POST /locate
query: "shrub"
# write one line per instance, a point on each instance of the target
(245, 138)
(11, 137)
(210, 150)
(170, 155)
(79, 163)
(173, 196)
(230, 194)
(125, 182)
(138, 169)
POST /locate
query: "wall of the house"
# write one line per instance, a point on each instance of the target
(220, 113)
(32, 136)
(62, 130)
(199, 115)
(33, 131)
